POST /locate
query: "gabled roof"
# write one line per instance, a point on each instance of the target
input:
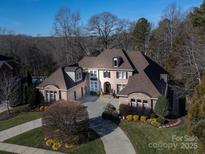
(146, 76)
(139, 82)
(147, 79)
(105, 60)
(60, 79)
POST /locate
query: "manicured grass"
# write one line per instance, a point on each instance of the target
(143, 135)
(19, 119)
(4, 152)
(34, 138)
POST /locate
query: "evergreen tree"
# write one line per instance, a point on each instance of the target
(198, 17)
(161, 107)
(196, 115)
(141, 34)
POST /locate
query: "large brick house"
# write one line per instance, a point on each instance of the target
(130, 75)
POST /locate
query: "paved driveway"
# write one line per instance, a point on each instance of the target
(114, 139)
(96, 105)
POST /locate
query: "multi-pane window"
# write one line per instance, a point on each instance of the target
(93, 86)
(121, 75)
(78, 76)
(139, 102)
(133, 103)
(93, 74)
(106, 74)
(51, 96)
(145, 103)
(120, 87)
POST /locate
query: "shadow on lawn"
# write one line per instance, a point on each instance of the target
(101, 126)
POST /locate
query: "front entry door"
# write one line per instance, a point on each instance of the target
(107, 88)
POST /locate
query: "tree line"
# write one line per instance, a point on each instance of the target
(176, 43)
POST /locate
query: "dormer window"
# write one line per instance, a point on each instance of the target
(115, 62)
(78, 75)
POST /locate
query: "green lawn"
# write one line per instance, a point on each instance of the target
(34, 138)
(4, 152)
(19, 119)
(142, 136)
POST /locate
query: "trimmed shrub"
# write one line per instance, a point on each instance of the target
(162, 120)
(161, 107)
(125, 109)
(136, 117)
(153, 115)
(66, 122)
(155, 123)
(112, 116)
(143, 118)
(129, 117)
(110, 108)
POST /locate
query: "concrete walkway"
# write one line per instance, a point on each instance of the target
(114, 139)
(24, 149)
(14, 131)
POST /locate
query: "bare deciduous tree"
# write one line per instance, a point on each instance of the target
(174, 17)
(8, 89)
(67, 27)
(104, 26)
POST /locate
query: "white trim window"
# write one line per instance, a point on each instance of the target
(94, 86)
(78, 76)
(139, 102)
(93, 74)
(115, 62)
(121, 75)
(133, 103)
(145, 104)
(106, 74)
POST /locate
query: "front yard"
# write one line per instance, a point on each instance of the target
(4, 152)
(19, 119)
(145, 138)
(35, 138)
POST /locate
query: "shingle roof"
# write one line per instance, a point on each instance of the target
(140, 83)
(60, 79)
(147, 78)
(105, 60)
(147, 72)
(138, 60)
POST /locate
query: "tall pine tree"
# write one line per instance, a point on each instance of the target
(141, 34)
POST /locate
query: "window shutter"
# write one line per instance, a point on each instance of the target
(126, 75)
(109, 74)
(104, 75)
(117, 75)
